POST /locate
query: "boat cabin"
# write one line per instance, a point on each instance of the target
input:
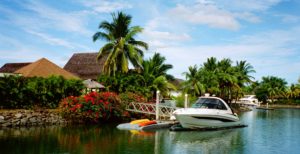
(209, 103)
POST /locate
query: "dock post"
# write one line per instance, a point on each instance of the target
(157, 106)
(185, 100)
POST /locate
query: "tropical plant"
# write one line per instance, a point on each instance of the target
(271, 87)
(92, 107)
(192, 84)
(21, 92)
(219, 78)
(157, 66)
(155, 75)
(121, 48)
(243, 70)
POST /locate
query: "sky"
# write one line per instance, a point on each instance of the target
(265, 33)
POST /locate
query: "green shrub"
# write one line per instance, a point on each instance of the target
(21, 92)
(92, 107)
(128, 97)
(180, 100)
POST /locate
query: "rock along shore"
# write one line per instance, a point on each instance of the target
(16, 118)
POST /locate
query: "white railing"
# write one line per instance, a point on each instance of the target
(150, 108)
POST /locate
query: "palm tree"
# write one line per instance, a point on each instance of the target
(155, 74)
(158, 66)
(121, 48)
(273, 87)
(208, 73)
(243, 70)
(192, 84)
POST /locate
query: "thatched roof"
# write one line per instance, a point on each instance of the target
(177, 83)
(85, 65)
(89, 83)
(44, 68)
(12, 67)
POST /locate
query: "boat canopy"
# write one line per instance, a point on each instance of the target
(209, 103)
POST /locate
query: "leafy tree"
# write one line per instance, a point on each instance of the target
(271, 87)
(220, 78)
(155, 74)
(193, 84)
(243, 70)
(121, 48)
(21, 92)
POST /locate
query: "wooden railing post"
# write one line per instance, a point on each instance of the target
(185, 100)
(157, 105)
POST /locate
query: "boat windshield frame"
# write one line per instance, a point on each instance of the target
(209, 103)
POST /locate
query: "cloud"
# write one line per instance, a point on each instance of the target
(61, 20)
(105, 6)
(247, 5)
(274, 52)
(205, 13)
(287, 18)
(250, 17)
(56, 41)
(159, 34)
(18, 52)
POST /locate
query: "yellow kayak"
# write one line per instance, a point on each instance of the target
(139, 121)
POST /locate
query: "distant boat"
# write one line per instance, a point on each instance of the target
(207, 112)
(249, 100)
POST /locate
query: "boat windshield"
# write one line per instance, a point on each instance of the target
(209, 103)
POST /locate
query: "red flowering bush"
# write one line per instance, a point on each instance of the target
(92, 107)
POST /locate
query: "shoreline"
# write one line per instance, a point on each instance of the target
(282, 106)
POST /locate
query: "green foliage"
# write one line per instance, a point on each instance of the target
(92, 107)
(120, 83)
(121, 48)
(21, 92)
(271, 88)
(218, 77)
(153, 77)
(129, 97)
(181, 98)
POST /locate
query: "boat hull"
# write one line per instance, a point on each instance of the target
(205, 121)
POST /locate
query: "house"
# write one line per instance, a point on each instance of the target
(10, 68)
(85, 65)
(44, 68)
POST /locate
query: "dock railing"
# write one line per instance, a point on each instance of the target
(150, 108)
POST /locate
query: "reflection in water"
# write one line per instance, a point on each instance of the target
(203, 142)
(267, 132)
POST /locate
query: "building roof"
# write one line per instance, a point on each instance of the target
(89, 83)
(12, 67)
(177, 83)
(44, 68)
(85, 65)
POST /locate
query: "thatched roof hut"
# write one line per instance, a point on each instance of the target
(44, 68)
(12, 67)
(89, 83)
(85, 65)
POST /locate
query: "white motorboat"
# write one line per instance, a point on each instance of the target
(249, 100)
(208, 111)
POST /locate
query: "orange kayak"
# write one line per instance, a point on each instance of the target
(146, 123)
(139, 121)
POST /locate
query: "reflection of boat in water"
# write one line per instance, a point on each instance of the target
(207, 112)
(204, 142)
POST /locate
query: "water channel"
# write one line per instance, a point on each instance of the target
(276, 131)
